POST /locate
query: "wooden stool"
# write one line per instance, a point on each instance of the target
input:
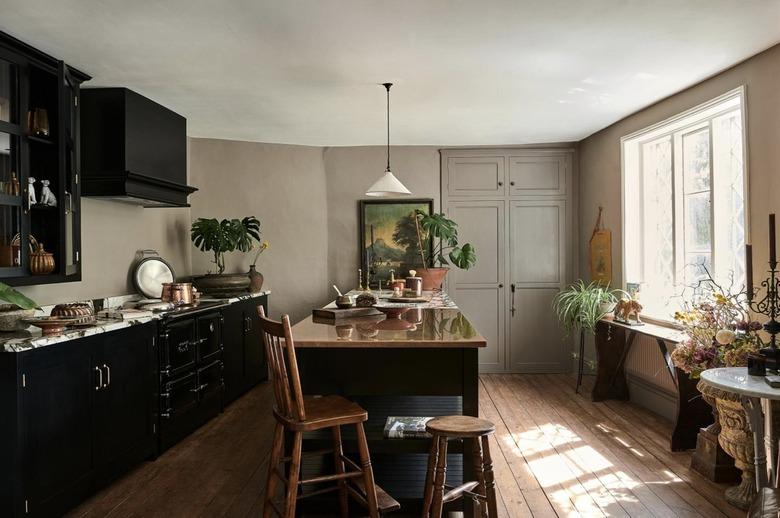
(484, 489)
(297, 414)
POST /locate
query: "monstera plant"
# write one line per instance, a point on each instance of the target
(221, 237)
(437, 240)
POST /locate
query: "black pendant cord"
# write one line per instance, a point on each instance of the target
(387, 86)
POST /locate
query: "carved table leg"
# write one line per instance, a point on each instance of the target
(755, 416)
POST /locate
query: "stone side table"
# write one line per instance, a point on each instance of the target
(745, 409)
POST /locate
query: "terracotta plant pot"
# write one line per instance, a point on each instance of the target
(432, 278)
(222, 285)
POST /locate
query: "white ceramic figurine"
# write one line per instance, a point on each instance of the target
(31, 192)
(47, 197)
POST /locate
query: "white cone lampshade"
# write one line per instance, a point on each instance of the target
(387, 185)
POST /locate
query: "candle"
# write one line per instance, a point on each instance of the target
(749, 271)
(772, 248)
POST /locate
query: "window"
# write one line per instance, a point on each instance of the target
(684, 185)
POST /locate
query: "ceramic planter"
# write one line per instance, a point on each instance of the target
(11, 318)
(432, 278)
(222, 285)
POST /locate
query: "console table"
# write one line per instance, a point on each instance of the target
(613, 343)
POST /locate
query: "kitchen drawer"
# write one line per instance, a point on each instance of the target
(178, 396)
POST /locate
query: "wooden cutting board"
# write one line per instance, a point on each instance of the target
(337, 314)
(409, 300)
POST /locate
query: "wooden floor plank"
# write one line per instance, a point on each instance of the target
(555, 454)
(670, 467)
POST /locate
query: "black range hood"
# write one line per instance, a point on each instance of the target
(132, 149)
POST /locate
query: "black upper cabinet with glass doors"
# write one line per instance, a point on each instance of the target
(39, 157)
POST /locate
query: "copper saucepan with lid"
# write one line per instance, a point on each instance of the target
(177, 293)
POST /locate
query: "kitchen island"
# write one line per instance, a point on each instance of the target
(422, 362)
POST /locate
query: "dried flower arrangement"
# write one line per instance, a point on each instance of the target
(719, 329)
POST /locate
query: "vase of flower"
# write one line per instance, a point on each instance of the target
(255, 277)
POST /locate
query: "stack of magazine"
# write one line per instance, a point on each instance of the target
(406, 427)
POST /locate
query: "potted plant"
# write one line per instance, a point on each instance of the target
(437, 236)
(583, 305)
(17, 308)
(219, 238)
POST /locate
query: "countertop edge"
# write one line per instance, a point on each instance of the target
(38, 341)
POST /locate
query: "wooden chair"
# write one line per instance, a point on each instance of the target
(297, 414)
(483, 490)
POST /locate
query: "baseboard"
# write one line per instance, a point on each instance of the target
(652, 397)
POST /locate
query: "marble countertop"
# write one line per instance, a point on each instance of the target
(435, 324)
(738, 381)
(32, 338)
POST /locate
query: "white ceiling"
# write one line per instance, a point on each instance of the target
(466, 72)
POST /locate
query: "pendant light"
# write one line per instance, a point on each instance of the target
(388, 184)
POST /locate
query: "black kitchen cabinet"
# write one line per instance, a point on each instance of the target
(56, 408)
(245, 363)
(75, 414)
(126, 403)
(39, 140)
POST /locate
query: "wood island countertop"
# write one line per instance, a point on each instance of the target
(416, 328)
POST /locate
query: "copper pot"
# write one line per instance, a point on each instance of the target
(181, 293)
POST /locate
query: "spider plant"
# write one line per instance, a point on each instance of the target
(583, 305)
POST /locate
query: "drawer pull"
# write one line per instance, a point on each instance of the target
(100, 378)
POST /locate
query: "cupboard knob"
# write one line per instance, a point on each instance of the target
(500, 184)
(511, 183)
(500, 285)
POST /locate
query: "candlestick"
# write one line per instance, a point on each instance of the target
(749, 271)
(772, 247)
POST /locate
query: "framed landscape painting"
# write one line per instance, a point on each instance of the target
(388, 237)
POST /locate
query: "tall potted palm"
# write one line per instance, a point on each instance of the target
(437, 242)
(219, 238)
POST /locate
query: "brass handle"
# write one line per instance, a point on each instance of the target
(100, 378)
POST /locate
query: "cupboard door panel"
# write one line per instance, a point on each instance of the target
(474, 176)
(536, 341)
(125, 411)
(484, 307)
(56, 424)
(538, 242)
(478, 291)
(482, 225)
(537, 174)
(254, 349)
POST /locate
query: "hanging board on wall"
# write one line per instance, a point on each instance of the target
(600, 253)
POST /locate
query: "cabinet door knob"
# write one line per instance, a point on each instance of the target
(511, 183)
(500, 285)
(500, 184)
